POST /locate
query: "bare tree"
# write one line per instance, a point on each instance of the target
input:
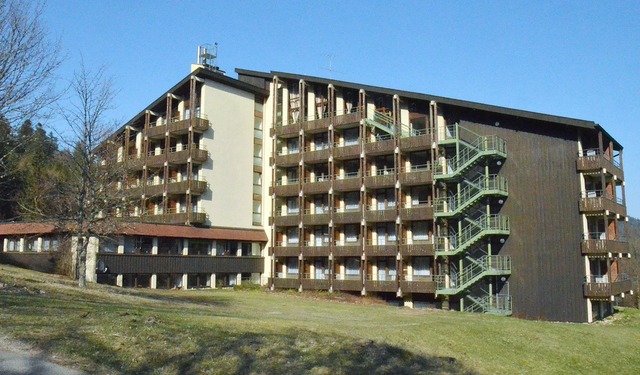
(28, 61)
(86, 197)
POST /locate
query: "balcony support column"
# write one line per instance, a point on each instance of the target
(185, 281)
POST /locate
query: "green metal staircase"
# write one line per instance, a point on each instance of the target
(382, 122)
(471, 150)
(475, 230)
(469, 153)
(489, 304)
(488, 265)
(472, 192)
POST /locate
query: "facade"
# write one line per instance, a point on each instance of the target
(305, 183)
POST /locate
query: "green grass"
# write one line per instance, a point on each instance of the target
(110, 330)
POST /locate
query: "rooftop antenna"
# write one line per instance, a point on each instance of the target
(330, 68)
(207, 57)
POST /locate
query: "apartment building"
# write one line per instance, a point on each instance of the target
(306, 183)
(438, 202)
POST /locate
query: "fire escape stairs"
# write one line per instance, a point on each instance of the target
(489, 304)
(469, 153)
(485, 225)
(488, 265)
(382, 122)
(470, 194)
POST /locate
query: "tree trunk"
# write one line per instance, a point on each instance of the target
(81, 265)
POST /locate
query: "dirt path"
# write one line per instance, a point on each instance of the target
(17, 358)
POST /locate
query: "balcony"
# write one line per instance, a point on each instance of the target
(349, 215)
(286, 187)
(595, 160)
(286, 280)
(316, 249)
(343, 151)
(380, 213)
(157, 132)
(288, 159)
(418, 248)
(600, 287)
(599, 244)
(182, 156)
(417, 140)
(282, 249)
(316, 185)
(318, 155)
(319, 282)
(381, 248)
(134, 191)
(383, 145)
(315, 125)
(134, 162)
(418, 284)
(347, 119)
(347, 282)
(387, 285)
(318, 216)
(152, 189)
(416, 175)
(182, 187)
(347, 249)
(383, 178)
(180, 127)
(347, 182)
(287, 131)
(601, 201)
(419, 211)
(286, 218)
(155, 158)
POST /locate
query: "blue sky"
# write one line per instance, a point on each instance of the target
(569, 58)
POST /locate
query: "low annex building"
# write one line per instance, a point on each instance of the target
(308, 183)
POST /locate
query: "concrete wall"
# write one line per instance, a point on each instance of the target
(230, 144)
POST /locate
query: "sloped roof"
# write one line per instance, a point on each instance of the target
(14, 229)
(585, 124)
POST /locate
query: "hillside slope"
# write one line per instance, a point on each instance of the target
(108, 330)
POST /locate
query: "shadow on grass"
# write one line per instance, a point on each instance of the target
(221, 351)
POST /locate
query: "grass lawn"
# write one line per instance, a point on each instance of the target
(110, 330)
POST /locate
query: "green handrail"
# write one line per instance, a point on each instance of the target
(484, 145)
(486, 265)
(451, 245)
(492, 184)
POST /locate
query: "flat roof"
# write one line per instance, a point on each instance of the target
(586, 124)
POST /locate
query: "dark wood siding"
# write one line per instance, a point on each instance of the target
(546, 230)
(41, 262)
(134, 263)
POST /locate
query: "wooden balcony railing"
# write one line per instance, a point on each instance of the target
(599, 287)
(594, 159)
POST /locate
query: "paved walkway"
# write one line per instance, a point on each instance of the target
(18, 359)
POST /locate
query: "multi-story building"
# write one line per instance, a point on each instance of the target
(418, 199)
(442, 202)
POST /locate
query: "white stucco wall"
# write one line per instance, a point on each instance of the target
(229, 169)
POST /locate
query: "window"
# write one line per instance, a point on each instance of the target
(420, 230)
(352, 266)
(292, 266)
(107, 245)
(421, 266)
(292, 236)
